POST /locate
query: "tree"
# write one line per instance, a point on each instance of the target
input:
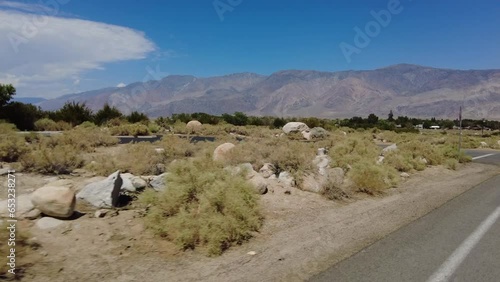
(106, 113)
(6, 93)
(135, 116)
(22, 115)
(73, 113)
(391, 116)
(372, 119)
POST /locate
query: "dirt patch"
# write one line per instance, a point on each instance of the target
(303, 235)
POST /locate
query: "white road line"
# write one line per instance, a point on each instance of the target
(483, 156)
(453, 262)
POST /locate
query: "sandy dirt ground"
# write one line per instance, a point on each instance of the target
(303, 234)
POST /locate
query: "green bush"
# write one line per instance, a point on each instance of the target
(46, 124)
(204, 206)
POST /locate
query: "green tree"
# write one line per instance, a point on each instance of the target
(135, 117)
(22, 115)
(73, 113)
(390, 116)
(372, 119)
(106, 113)
(6, 93)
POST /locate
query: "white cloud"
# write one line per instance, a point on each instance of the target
(45, 55)
(120, 85)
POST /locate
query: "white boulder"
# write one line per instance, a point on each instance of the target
(220, 153)
(58, 201)
(295, 127)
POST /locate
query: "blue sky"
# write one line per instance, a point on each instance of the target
(56, 47)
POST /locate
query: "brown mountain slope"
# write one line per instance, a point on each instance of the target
(406, 89)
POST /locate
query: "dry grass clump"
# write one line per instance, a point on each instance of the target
(204, 207)
(371, 178)
(176, 147)
(333, 192)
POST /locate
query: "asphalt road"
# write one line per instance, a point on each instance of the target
(459, 241)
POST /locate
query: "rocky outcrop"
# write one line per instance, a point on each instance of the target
(388, 149)
(267, 170)
(57, 201)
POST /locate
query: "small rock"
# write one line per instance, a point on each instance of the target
(267, 170)
(252, 253)
(4, 171)
(484, 145)
(380, 160)
(306, 134)
(194, 126)
(286, 178)
(159, 150)
(48, 223)
(100, 213)
(390, 148)
(159, 183)
(404, 175)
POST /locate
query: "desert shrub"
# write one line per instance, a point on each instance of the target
(401, 162)
(135, 129)
(352, 149)
(333, 192)
(45, 124)
(7, 127)
(204, 206)
(58, 159)
(418, 149)
(84, 139)
(154, 128)
(371, 178)
(87, 124)
(137, 158)
(12, 146)
(451, 152)
(292, 156)
(451, 164)
(175, 147)
(23, 246)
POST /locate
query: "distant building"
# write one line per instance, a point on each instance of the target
(419, 126)
(435, 127)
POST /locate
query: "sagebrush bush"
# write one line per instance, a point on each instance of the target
(176, 147)
(203, 206)
(59, 159)
(371, 178)
(83, 139)
(46, 124)
(352, 149)
(136, 158)
(135, 129)
(12, 145)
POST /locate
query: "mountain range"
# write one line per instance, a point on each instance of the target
(411, 90)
